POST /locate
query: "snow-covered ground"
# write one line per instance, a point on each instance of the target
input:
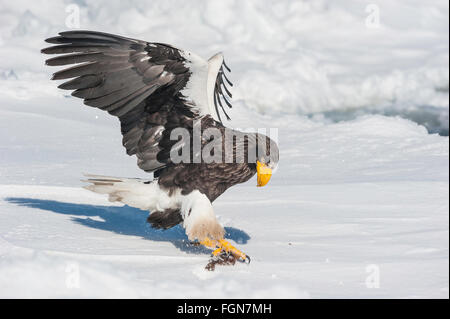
(357, 208)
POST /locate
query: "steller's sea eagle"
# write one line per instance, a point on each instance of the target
(156, 89)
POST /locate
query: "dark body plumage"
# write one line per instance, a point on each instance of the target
(141, 83)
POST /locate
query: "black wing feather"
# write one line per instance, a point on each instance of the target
(137, 81)
(219, 94)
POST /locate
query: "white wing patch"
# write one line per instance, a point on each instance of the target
(214, 65)
(195, 90)
(200, 89)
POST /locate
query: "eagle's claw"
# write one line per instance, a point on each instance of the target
(224, 258)
(224, 253)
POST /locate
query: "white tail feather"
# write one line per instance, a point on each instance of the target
(135, 192)
(195, 208)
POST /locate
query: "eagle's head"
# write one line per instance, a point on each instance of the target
(267, 159)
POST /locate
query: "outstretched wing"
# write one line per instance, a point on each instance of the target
(150, 87)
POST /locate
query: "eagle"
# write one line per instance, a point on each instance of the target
(157, 91)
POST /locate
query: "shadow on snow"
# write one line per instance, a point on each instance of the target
(125, 220)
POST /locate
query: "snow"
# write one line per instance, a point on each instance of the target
(327, 59)
(360, 194)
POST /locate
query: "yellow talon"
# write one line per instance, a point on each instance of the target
(222, 244)
(209, 243)
(217, 251)
(230, 248)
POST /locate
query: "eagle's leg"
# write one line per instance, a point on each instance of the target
(222, 245)
(209, 243)
(201, 224)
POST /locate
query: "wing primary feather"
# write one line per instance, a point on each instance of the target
(226, 66)
(82, 82)
(226, 101)
(120, 82)
(73, 71)
(90, 68)
(67, 40)
(97, 35)
(226, 90)
(215, 105)
(61, 49)
(83, 57)
(224, 112)
(221, 106)
(229, 82)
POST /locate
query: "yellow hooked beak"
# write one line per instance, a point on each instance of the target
(264, 173)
